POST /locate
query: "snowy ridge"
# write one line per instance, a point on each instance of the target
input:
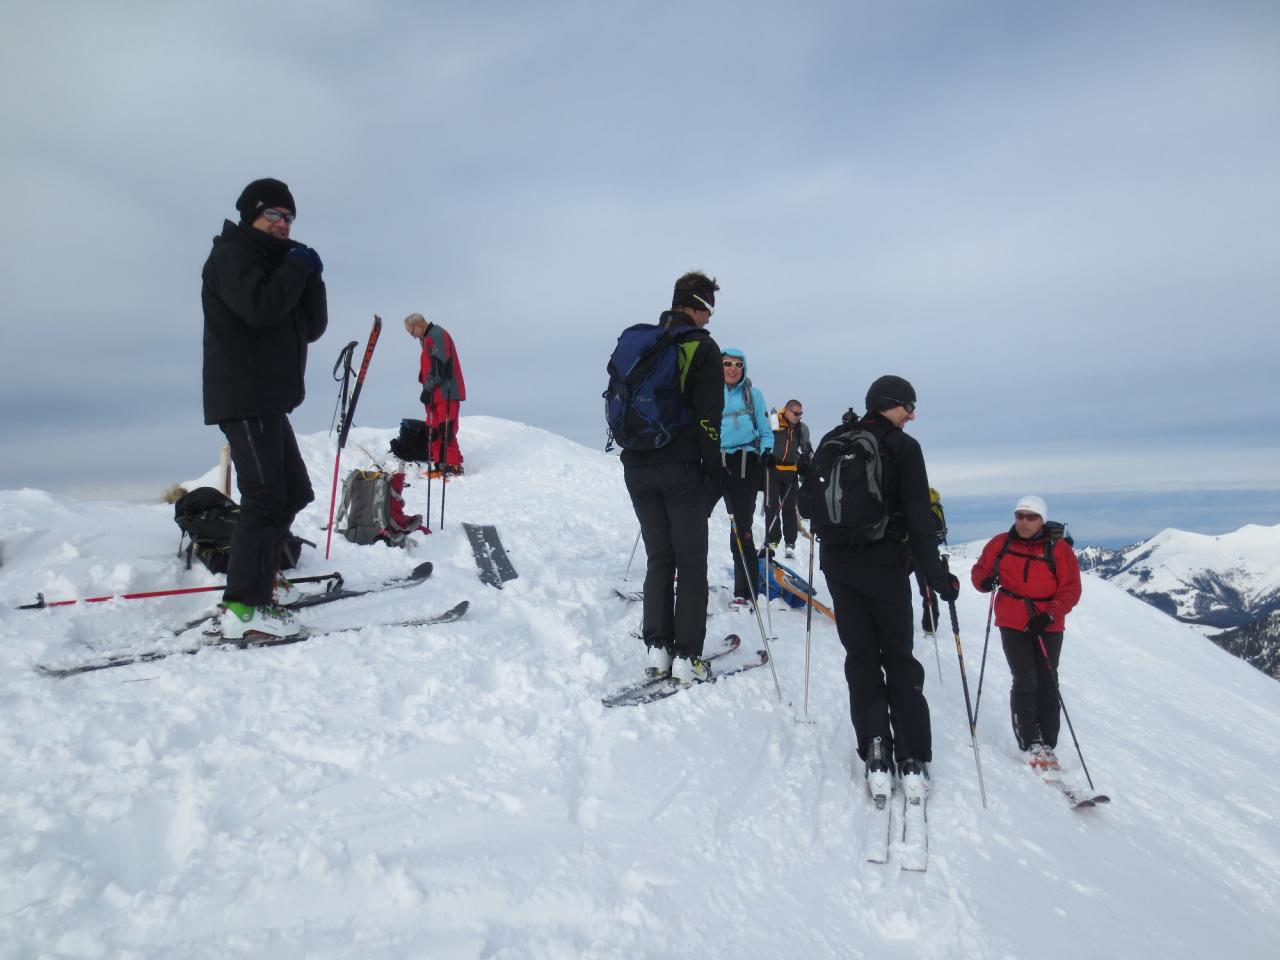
(1224, 580)
(459, 791)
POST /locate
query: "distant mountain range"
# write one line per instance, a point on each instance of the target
(1230, 581)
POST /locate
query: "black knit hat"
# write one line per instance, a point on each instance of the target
(262, 194)
(888, 392)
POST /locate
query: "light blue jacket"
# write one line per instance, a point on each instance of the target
(738, 431)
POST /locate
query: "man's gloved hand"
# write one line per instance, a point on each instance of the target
(305, 253)
(802, 464)
(768, 459)
(1039, 623)
(949, 589)
(987, 585)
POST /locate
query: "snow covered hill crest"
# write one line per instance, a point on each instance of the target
(459, 791)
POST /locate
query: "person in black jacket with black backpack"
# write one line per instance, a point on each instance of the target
(867, 574)
(264, 301)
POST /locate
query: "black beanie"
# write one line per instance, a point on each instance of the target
(261, 194)
(705, 291)
(888, 392)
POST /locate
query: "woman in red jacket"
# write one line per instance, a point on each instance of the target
(1038, 579)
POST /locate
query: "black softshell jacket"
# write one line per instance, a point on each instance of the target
(261, 309)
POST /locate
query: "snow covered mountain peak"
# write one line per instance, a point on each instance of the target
(460, 791)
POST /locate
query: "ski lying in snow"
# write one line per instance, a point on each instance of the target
(785, 582)
(875, 835)
(1080, 799)
(913, 854)
(631, 596)
(491, 558)
(259, 640)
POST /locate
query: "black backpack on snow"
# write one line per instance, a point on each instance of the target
(413, 443)
(207, 517)
(842, 493)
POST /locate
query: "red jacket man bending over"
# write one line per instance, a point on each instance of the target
(442, 390)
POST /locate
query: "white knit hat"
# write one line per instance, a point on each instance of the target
(1032, 504)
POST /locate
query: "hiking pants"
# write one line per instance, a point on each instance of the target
(886, 682)
(274, 486)
(740, 488)
(442, 432)
(1033, 700)
(670, 500)
(784, 486)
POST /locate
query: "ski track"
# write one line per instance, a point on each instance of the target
(459, 790)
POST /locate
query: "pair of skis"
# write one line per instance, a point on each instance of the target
(913, 832)
(347, 410)
(660, 688)
(158, 652)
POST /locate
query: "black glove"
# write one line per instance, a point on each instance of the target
(949, 589)
(768, 459)
(309, 256)
(1039, 623)
(987, 585)
(802, 464)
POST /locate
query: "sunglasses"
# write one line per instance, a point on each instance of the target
(1024, 517)
(731, 363)
(711, 311)
(275, 216)
(909, 407)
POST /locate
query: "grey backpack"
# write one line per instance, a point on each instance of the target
(373, 506)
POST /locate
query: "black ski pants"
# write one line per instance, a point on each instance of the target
(1033, 700)
(274, 486)
(740, 489)
(670, 501)
(780, 505)
(886, 682)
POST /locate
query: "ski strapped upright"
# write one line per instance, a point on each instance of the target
(347, 410)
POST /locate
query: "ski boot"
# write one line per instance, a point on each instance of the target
(1043, 759)
(659, 663)
(878, 774)
(687, 670)
(241, 621)
(913, 775)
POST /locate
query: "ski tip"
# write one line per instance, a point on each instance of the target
(422, 570)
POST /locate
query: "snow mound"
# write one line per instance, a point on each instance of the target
(460, 791)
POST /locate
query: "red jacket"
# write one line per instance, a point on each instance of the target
(1025, 575)
(440, 371)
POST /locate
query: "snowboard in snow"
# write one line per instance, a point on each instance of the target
(491, 558)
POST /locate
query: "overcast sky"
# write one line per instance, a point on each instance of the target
(1059, 221)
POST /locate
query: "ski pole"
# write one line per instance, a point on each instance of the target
(1057, 688)
(929, 602)
(444, 470)
(755, 607)
(634, 547)
(768, 554)
(348, 412)
(808, 629)
(982, 671)
(973, 730)
(41, 603)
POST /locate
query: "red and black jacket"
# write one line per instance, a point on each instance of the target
(1034, 576)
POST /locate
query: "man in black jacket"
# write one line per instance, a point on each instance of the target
(264, 301)
(673, 490)
(871, 591)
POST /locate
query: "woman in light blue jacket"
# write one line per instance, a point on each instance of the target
(746, 447)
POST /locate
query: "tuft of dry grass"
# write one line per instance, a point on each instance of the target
(174, 493)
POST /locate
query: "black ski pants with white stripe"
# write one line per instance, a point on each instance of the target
(273, 483)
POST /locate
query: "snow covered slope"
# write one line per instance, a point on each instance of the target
(459, 791)
(1222, 581)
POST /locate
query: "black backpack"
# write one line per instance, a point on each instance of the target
(208, 518)
(843, 493)
(412, 445)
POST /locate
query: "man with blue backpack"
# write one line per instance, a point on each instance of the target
(663, 406)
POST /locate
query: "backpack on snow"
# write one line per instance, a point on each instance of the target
(643, 404)
(412, 445)
(208, 518)
(373, 505)
(842, 494)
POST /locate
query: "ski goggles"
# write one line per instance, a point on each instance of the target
(275, 216)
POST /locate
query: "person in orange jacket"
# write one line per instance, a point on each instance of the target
(443, 389)
(1038, 578)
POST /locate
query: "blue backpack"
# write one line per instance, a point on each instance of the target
(643, 404)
